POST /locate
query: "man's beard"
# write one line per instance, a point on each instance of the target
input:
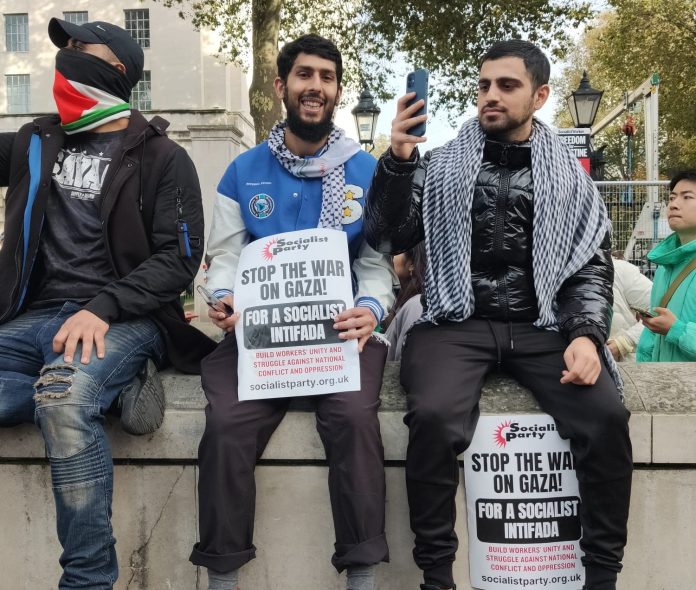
(309, 132)
(502, 128)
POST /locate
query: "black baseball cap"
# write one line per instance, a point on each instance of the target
(120, 41)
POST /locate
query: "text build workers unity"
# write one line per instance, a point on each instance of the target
(289, 288)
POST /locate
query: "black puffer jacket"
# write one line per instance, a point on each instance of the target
(501, 261)
(501, 234)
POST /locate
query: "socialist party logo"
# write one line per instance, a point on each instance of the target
(508, 431)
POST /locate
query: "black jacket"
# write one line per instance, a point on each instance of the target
(501, 240)
(150, 190)
(501, 234)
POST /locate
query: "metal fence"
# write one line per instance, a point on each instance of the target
(637, 211)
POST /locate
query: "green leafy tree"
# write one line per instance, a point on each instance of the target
(620, 50)
(445, 37)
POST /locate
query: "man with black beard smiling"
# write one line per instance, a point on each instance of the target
(306, 175)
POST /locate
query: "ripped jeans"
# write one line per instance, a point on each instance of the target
(68, 401)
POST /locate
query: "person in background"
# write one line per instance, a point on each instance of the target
(631, 292)
(670, 336)
(410, 268)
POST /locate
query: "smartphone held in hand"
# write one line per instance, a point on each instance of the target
(648, 313)
(417, 81)
(214, 301)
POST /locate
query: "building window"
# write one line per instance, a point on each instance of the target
(141, 98)
(76, 17)
(17, 32)
(17, 93)
(138, 25)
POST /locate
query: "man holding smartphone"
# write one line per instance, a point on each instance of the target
(306, 175)
(519, 277)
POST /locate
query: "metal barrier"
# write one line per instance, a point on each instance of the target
(637, 210)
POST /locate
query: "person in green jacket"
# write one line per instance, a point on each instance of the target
(671, 334)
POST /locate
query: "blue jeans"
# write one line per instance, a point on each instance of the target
(68, 401)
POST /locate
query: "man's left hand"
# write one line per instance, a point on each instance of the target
(583, 362)
(83, 326)
(356, 322)
(661, 323)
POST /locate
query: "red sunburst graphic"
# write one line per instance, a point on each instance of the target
(498, 435)
(267, 254)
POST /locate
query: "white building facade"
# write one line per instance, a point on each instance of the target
(205, 100)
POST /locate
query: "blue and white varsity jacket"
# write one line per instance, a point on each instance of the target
(258, 197)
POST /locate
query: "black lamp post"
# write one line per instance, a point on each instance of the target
(598, 162)
(366, 113)
(584, 102)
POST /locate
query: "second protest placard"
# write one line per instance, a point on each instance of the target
(523, 506)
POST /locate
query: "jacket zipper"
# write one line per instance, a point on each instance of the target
(498, 230)
(16, 301)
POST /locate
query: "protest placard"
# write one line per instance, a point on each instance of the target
(578, 140)
(289, 288)
(522, 504)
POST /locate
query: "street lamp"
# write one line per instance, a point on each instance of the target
(366, 113)
(598, 162)
(584, 102)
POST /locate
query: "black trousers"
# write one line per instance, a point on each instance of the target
(443, 368)
(236, 434)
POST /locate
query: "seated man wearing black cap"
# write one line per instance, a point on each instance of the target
(103, 231)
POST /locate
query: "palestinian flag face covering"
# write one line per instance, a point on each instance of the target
(88, 91)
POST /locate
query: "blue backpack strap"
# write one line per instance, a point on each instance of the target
(34, 179)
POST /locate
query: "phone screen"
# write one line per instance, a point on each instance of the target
(645, 312)
(214, 301)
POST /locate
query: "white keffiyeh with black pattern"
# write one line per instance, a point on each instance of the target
(564, 197)
(328, 165)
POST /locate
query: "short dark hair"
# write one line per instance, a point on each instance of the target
(311, 45)
(535, 62)
(683, 175)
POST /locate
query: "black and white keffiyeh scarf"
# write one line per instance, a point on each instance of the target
(328, 165)
(564, 197)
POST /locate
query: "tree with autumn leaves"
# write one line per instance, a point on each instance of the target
(620, 49)
(446, 37)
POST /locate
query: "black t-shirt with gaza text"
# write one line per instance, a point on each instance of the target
(72, 264)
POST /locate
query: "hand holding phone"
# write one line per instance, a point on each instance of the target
(408, 127)
(214, 302)
(647, 313)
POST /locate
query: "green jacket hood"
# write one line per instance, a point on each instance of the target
(669, 252)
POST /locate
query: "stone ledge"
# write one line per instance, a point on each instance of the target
(661, 397)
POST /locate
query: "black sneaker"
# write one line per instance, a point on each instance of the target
(142, 401)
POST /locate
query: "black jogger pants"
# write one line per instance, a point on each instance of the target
(443, 368)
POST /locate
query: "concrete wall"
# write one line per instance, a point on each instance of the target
(155, 495)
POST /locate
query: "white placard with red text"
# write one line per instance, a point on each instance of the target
(289, 288)
(522, 503)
